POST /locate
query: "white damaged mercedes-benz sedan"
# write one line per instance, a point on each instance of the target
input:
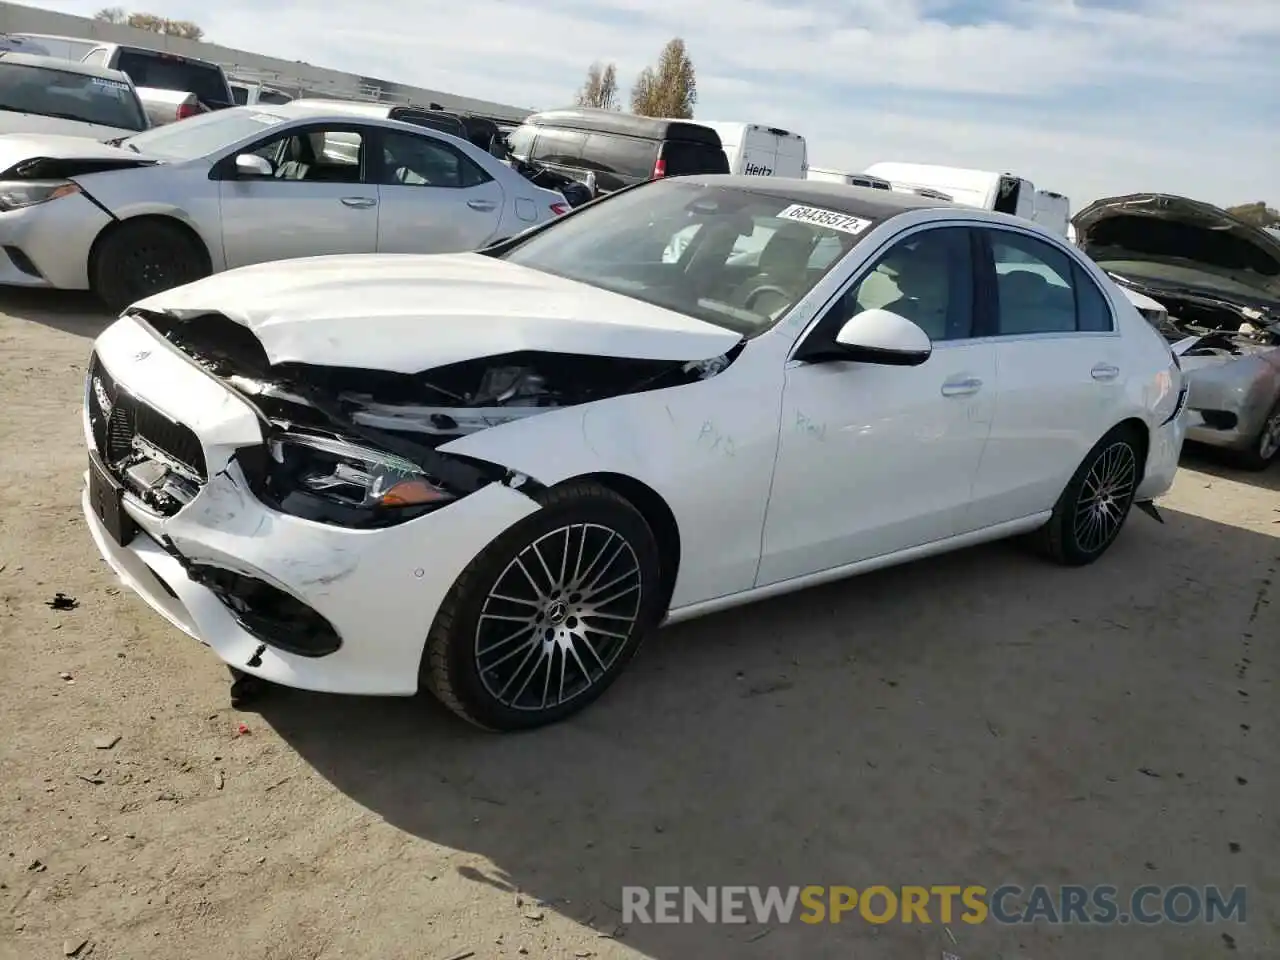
(491, 474)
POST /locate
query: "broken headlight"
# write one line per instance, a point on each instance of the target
(337, 481)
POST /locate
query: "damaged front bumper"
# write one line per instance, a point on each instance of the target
(290, 600)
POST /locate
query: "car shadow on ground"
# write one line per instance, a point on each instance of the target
(978, 718)
(1219, 463)
(70, 311)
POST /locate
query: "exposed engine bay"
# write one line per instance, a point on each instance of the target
(1225, 328)
(343, 444)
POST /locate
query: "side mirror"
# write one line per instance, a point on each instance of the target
(884, 337)
(250, 166)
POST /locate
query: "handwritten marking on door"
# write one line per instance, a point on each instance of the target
(711, 439)
(809, 427)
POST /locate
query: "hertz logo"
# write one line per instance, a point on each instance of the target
(758, 170)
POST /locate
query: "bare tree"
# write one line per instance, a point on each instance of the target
(601, 87)
(149, 21)
(1257, 213)
(184, 29)
(670, 89)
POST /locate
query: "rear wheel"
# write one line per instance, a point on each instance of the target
(143, 257)
(1262, 453)
(547, 616)
(1092, 509)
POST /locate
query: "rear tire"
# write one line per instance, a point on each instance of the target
(143, 257)
(1095, 503)
(1266, 445)
(547, 616)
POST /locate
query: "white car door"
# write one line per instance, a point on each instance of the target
(1061, 375)
(316, 201)
(434, 198)
(874, 459)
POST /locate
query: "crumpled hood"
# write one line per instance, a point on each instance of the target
(405, 313)
(62, 153)
(1251, 255)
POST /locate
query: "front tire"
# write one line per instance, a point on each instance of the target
(1095, 503)
(1266, 445)
(547, 616)
(143, 257)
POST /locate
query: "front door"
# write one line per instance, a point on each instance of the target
(434, 198)
(876, 459)
(316, 201)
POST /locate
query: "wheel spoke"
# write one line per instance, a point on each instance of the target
(1105, 497)
(553, 604)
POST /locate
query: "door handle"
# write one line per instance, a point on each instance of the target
(961, 387)
(483, 205)
(359, 202)
(1104, 371)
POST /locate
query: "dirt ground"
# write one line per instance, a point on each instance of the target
(981, 718)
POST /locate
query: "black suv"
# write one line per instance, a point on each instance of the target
(619, 148)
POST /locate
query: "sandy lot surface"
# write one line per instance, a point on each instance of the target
(982, 718)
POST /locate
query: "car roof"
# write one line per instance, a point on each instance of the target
(594, 120)
(57, 63)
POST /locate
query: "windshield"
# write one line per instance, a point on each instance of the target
(734, 258)
(70, 96)
(202, 135)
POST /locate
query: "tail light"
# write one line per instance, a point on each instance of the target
(560, 209)
(660, 169)
(187, 110)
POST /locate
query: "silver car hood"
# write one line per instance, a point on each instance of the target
(1194, 214)
(29, 156)
(39, 126)
(406, 313)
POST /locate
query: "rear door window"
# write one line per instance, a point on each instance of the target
(684, 158)
(559, 146)
(174, 73)
(629, 157)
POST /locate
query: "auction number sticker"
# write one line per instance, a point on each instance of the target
(819, 217)
(109, 84)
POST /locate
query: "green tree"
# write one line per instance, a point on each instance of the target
(601, 87)
(670, 89)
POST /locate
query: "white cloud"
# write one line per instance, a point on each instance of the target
(1088, 97)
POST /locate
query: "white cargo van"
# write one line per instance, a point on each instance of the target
(848, 179)
(1053, 212)
(761, 151)
(1002, 192)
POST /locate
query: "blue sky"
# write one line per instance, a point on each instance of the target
(1086, 97)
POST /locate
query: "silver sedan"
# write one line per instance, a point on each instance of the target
(246, 185)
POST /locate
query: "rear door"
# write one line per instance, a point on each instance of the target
(433, 197)
(683, 158)
(759, 152)
(1060, 369)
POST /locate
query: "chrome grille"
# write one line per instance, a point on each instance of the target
(118, 420)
